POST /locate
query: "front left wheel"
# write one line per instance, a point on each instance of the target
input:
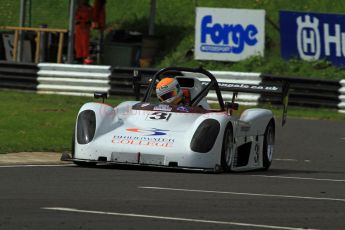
(227, 155)
(268, 147)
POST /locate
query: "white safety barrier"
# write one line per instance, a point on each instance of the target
(341, 105)
(84, 80)
(237, 78)
(67, 79)
(233, 78)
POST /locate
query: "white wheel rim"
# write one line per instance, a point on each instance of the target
(228, 149)
(270, 143)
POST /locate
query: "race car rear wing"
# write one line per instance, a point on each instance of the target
(281, 89)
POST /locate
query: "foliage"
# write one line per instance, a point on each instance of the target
(175, 27)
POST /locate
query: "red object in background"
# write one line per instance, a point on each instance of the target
(83, 19)
(88, 61)
(99, 14)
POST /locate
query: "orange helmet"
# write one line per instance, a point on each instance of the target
(168, 91)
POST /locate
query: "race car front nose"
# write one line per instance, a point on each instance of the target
(86, 126)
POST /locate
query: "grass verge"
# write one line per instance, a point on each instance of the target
(33, 122)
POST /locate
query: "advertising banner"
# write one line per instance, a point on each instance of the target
(313, 36)
(229, 34)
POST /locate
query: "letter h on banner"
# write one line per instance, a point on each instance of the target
(332, 39)
(308, 34)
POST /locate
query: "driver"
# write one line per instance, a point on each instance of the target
(168, 91)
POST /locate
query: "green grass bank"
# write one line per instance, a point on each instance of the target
(175, 27)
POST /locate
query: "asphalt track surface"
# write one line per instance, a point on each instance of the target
(304, 189)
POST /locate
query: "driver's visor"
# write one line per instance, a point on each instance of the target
(168, 95)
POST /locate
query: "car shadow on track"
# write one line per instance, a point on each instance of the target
(271, 172)
(281, 172)
(146, 168)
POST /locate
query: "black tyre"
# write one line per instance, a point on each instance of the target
(268, 148)
(84, 163)
(228, 150)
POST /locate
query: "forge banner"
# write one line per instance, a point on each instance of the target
(229, 34)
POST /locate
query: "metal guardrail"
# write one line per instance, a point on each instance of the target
(121, 82)
(307, 92)
(67, 79)
(84, 80)
(341, 104)
(18, 76)
(304, 92)
(226, 77)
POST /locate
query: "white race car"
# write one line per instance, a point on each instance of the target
(190, 136)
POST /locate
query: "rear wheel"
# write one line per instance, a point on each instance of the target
(227, 149)
(268, 148)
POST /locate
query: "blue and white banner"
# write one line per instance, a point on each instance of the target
(313, 36)
(229, 34)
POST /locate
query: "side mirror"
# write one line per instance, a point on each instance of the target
(102, 95)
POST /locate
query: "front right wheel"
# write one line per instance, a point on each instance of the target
(227, 155)
(268, 147)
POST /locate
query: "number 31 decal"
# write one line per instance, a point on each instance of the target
(159, 116)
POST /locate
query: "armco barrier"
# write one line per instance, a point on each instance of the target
(304, 92)
(86, 79)
(235, 78)
(18, 76)
(67, 79)
(122, 83)
(307, 92)
(341, 105)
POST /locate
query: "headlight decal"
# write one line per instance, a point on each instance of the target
(86, 126)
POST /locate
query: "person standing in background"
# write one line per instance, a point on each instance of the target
(99, 24)
(83, 20)
(99, 15)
